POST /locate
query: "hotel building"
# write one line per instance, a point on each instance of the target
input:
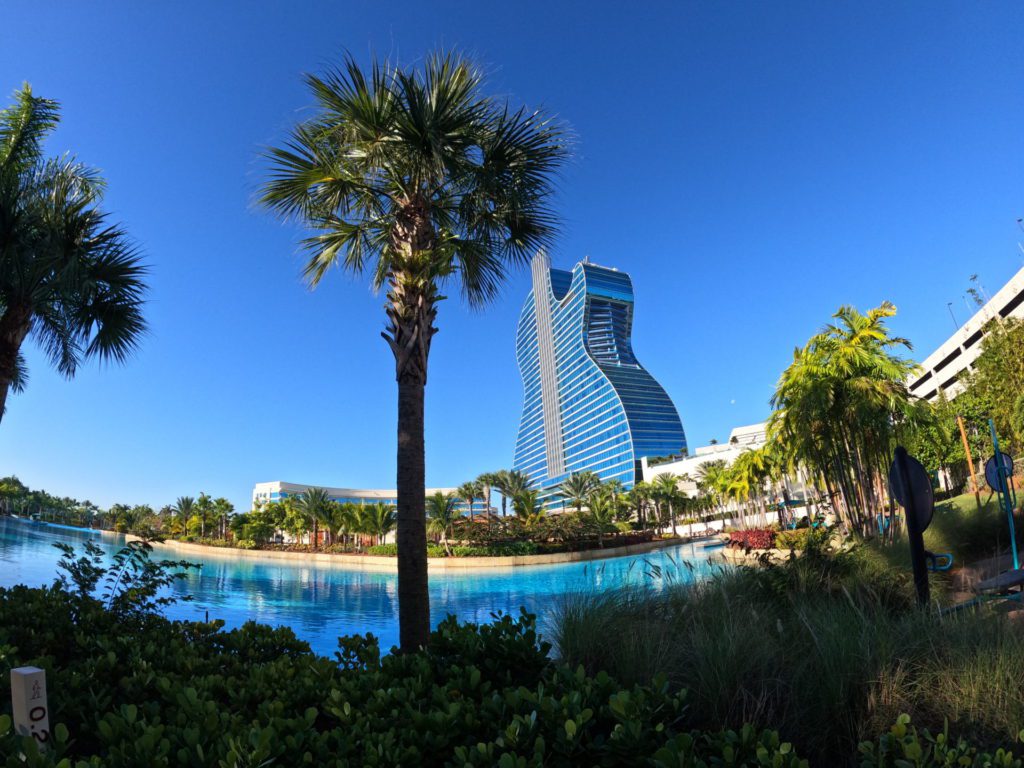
(588, 404)
(942, 369)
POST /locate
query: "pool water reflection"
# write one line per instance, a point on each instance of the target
(321, 602)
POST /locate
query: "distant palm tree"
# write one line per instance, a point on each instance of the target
(184, 507)
(315, 505)
(68, 277)
(666, 485)
(486, 482)
(641, 494)
(343, 519)
(528, 507)
(578, 487)
(441, 516)
(602, 513)
(382, 520)
(469, 492)
(501, 483)
(517, 482)
(419, 178)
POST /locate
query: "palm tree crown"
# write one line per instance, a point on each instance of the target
(68, 278)
(578, 487)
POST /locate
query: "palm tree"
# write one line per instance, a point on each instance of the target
(486, 482)
(510, 483)
(641, 494)
(382, 520)
(441, 516)
(712, 478)
(184, 507)
(315, 506)
(577, 488)
(602, 513)
(469, 492)
(342, 519)
(666, 485)
(528, 508)
(67, 276)
(419, 178)
(842, 403)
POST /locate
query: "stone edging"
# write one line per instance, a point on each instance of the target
(388, 563)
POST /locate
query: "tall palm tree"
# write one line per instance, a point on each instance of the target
(441, 516)
(315, 505)
(469, 492)
(68, 278)
(841, 405)
(419, 178)
(577, 488)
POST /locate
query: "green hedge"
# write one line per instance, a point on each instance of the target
(507, 549)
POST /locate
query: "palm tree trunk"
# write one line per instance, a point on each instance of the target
(411, 533)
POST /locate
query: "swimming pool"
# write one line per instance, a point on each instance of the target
(320, 602)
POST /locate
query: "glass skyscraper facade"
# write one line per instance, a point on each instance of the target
(588, 404)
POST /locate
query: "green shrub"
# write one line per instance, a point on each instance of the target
(145, 691)
(246, 544)
(903, 746)
(508, 549)
(794, 539)
(383, 549)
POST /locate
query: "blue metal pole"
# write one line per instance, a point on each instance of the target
(1004, 492)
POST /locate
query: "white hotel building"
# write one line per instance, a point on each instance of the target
(941, 370)
(740, 439)
(277, 490)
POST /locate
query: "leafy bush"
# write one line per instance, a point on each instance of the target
(752, 538)
(145, 691)
(903, 746)
(246, 544)
(795, 539)
(505, 549)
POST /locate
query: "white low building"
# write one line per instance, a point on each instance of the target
(942, 369)
(277, 490)
(740, 439)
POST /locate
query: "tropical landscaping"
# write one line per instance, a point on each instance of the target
(810, 649)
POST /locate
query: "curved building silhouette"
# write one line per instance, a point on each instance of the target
(588, 404)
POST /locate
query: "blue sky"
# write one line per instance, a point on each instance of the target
(752, 165)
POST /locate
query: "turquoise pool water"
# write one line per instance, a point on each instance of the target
(322, 602)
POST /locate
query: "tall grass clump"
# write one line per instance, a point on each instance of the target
(826, 647)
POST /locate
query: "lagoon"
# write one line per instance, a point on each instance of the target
(322, 601)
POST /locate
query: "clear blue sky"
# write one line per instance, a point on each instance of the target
(752, 165)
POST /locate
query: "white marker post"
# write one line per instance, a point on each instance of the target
(28, 696)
